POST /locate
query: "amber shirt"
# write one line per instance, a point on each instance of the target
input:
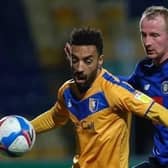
(102, 117)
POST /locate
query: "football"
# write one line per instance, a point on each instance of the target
(17, 135)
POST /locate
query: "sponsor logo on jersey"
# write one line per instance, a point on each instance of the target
(142, 97)
(146, 87)
(86, 125)
(93, 104)
(164, 87)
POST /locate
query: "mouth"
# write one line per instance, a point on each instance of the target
(80, 79)
(150, 51)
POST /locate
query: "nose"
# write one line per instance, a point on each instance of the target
(80, 66)
(147, 41)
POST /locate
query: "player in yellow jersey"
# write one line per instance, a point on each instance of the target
(99, 105)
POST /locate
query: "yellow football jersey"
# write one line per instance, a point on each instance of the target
(102, 117)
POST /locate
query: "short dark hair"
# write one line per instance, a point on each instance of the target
(87, 36)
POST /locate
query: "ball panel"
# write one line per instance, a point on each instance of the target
(8, 139)
(19, 145)
(8, 126)
(24, 124)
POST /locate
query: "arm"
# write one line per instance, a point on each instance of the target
(158, 114)
(48, 120)
(145, 106)
(128, 99)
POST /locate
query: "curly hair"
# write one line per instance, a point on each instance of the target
(87, 36)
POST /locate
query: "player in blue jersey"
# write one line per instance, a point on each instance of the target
(151, 76)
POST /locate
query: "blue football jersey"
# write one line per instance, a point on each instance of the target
(152, 79)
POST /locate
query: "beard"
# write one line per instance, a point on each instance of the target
(84, 82)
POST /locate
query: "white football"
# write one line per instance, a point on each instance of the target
(17, 135)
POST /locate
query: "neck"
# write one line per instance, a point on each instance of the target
(160, 60)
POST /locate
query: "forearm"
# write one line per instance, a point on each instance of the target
(158, 114)
(47, 120)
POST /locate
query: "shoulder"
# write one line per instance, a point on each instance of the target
(107, 76)
(112, 80)
(67, 84)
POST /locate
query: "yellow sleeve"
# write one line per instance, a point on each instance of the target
(129, 101)
(158, 114)
(48, 120)
(139, 104)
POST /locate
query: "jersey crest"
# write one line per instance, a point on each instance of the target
(164, 87)
(93, 104)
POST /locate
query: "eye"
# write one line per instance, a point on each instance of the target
(155, 35)
(143, 35)
(74, 60)
(88, 61)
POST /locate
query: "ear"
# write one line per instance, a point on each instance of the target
(67, 50)
(100, 61)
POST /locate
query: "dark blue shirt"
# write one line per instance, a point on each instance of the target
(152, 80)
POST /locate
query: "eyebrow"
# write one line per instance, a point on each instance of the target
(88, 56)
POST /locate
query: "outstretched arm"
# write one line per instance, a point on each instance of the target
(48, 120)
(158, 114)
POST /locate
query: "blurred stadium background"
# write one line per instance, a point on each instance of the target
(32, 66)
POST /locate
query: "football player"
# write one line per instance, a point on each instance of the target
(98, 104)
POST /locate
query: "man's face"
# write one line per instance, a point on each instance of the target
(85, 64)
(154, 37)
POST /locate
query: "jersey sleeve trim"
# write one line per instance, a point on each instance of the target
(149, 109)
